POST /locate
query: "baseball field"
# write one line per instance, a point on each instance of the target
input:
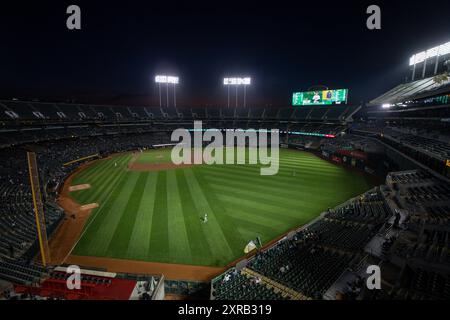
(155, 213)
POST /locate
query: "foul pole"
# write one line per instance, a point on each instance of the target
(38, 208)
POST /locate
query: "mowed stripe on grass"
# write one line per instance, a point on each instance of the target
(156, 216)
(140, 236)
(178, 238)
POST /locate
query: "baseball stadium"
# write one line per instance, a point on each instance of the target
(96, 206)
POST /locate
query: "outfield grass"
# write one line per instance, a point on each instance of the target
(155, 216)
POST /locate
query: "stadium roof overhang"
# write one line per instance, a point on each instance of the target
(412, 91)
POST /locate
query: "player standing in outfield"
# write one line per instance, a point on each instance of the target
(205, 218)
(115, 164)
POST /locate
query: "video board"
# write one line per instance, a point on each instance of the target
(320, 97)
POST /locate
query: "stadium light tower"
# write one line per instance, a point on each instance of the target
(164, 79)
(425, 56)
(237, 82)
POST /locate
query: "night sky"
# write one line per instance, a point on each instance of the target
(283, 46)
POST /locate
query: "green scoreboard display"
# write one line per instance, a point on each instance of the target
(320, 98)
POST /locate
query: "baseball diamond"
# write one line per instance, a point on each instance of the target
(156, 215)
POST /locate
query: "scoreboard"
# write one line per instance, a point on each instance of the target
(320, 98)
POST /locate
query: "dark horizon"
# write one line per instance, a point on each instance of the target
(287, 48)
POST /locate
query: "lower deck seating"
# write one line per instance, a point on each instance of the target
(310, 270)
(20, 272)
(238, 286)
(312, 259)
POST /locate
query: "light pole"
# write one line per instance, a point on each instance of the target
(167, 94)
(245, 93)
(236, 82)
(160, 102)
(174, 95)
(426, 56)
(159, 79)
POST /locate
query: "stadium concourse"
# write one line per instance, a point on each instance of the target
(399, 221)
